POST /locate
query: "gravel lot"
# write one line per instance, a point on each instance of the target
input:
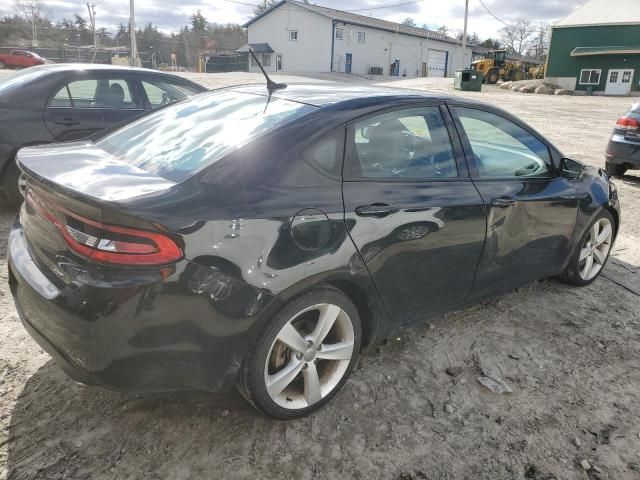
(414, 408)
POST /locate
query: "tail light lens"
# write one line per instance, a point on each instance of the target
(109, 244)
(628, 124)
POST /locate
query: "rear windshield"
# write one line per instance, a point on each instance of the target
(635, 108)
(179, 140)
(21, 77)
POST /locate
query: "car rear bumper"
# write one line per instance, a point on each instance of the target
(172, 334)
(623, 152)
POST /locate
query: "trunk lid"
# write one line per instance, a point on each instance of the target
(75, 206)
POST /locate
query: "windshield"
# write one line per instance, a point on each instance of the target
(7, 82)
(179, 140)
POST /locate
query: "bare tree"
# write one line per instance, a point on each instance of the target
(540, 41)
(518, 37)
(263, 6)
(35, 11)
(444, 30)
(409, 22)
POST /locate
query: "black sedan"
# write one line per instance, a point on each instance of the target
(62, 102)
(263, 240)
(623, 150)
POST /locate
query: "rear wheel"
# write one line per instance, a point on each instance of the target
(615, 170)
(304, 357)
(14, 183)
(592, 254)
(493, 76)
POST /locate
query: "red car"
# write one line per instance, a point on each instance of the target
(20, 59)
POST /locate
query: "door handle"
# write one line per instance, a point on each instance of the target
(503, 202)
(376, 210)
(67, 122)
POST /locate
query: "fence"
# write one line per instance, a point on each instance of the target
(227, 63)
(79, 54)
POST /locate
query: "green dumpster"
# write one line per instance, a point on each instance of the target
(468, 80)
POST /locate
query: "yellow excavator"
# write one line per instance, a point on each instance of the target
(495, 66)
(538, 72)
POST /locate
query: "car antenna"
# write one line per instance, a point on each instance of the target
(271, 85)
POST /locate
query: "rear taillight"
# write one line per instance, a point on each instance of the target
(628, 123)
(108, 243)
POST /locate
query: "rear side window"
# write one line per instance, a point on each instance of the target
(181, 139)
(326, 155)
(95, 93)
(160, 92)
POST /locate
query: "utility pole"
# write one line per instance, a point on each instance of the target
(92, 18)
(34, 32)
(464, 32)
(132, 28)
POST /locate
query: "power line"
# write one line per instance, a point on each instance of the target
(242, 3)
(494, 15)
(384, 6)
(352, 10)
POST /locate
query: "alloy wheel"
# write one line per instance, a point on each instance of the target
(595, 249)
(309, 356)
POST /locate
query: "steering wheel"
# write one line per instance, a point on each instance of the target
(532, 168)
(166, 99)
(407, 146)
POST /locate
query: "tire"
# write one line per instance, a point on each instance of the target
(10, 181)
(615, 170)
(2, 65)
(492, 77)
(517, 75)
(577, 272)
(270, 356)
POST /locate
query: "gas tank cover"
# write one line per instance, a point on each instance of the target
(310, 229)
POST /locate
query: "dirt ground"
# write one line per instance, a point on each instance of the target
(414, 408)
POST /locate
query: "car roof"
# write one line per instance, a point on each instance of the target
(321, 95)
(68, 67)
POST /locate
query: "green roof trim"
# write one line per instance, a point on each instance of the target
(617, 50)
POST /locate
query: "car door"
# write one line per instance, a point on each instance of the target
(412, 210)
(531, 208)
(85, 104)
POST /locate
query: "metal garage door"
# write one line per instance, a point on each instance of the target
(437, 63)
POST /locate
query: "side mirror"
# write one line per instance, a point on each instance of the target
(571, 169)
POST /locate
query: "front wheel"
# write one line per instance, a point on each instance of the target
(492, 77)
(592, 253)
(305, 355)
(615, 170)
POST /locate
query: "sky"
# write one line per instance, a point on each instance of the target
(170, 15)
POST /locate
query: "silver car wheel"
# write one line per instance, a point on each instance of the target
(309, 356)
(595, 250)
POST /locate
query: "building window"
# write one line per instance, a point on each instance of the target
(361, 37)
(590, 77)
(626, 77)
(266, 60)
(339, 33)
(293, 35)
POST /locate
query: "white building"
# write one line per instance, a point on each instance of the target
(297, 37)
